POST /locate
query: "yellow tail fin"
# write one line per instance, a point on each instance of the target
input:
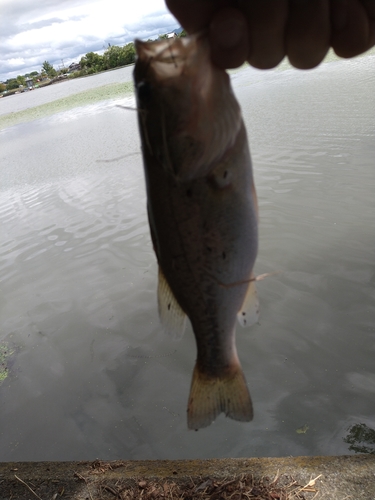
(211, 396)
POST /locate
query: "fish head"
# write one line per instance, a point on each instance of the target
(188, 114)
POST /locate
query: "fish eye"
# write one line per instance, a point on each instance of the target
(144, 91)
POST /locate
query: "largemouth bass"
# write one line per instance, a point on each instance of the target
(202, 212)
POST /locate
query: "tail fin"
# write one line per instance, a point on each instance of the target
(211, 396)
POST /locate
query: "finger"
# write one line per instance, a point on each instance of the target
(266, 20)
(369, 6)
(229, 38)
(308, 32)
(194, 15)
(353, 30)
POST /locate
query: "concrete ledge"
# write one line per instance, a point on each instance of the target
(343, 477)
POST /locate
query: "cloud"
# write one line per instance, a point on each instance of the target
(52, 30)
(16, 62)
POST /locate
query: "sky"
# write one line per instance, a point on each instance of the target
(62, 31)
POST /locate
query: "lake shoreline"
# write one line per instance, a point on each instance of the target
(291, 477)
(114, 91)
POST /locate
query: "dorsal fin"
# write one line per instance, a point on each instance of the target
(171, 315)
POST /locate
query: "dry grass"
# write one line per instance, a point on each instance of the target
(243, 487)
(97, 483)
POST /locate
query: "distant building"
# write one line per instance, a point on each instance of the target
(172, 35)
(29, 83)
(74, 67)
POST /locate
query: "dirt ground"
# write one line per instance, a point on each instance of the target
(299, 478)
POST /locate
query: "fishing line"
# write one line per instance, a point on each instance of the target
(244, 282)
(118, 158)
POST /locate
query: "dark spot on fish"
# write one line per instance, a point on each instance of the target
(243, 314)
(144, 91)
(189, 193)
(209, 249)
(225, 174)
(244, 321)
(169, 307)
(224, 255)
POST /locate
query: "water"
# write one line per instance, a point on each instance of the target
(93, 375)
(39, 96)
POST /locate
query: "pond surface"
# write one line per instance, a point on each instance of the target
(66, 88)
(92, 374)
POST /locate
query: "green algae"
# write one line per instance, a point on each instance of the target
(303, 429)
(5, 353)
(91, 96)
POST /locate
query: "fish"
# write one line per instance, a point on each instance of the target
(202, 212)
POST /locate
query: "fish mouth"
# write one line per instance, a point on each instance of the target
(180, 96)
(169, 58)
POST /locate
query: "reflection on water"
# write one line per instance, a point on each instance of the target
(361, 439)
(94, 375)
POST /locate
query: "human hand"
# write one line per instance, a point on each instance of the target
(263, 32)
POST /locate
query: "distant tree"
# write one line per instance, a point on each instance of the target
(92, 60)
(113, 57)
(129, 51)
(116, 56)
(182, 34)
(12, 84)
(21, 80)
(34, 73)
(47, 66)
(163, 37)
(49, 69)
(2, 87)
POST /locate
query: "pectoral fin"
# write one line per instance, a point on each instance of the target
(171, 315)
(249, 313)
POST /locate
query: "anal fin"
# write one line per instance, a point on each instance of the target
(171, 315)
(249, 313)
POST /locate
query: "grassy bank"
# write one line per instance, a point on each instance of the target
(110, 91)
